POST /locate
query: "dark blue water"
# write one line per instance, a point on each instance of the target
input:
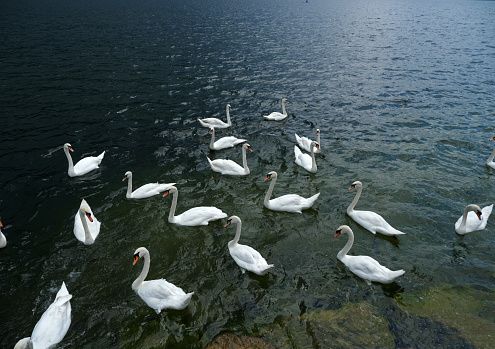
(401, 91)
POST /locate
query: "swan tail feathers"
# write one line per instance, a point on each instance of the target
(101, 155)
(63, 299)
(297, 151)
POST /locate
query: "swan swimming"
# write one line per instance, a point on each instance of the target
(224, 142)
(229, 167)
(276, 116)
(84, 165)
(144, 191)
(367, 219)
(3, 240)
(245, 256)
(305, 160)
(158, 294)
(473, 219)
(86, 226)
(305, 143)
(215, 122)
(201, 215)
(288, 202)
(365, 267)
(490, 162)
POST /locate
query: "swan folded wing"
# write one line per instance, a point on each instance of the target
(228, 142)
(150, 189)
(369, 269)
(275, 116)
(199, 216)
(292, 202)
(226, 166)
(371, 221)
(248, 258)
(212, 122)
(88, 164)
(304, 143)
(160, 294)
(53, 324)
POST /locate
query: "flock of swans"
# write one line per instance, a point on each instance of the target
(161, 294)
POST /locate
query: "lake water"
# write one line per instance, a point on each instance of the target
(402, 92)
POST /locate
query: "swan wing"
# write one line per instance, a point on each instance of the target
(88, 164)
(150, 189)
(226, 167)
(227, 142)
(200, 215)
(369, 269)
(94, 226)
(373, 222)
(275, 116)
(161, 294)
(302, 159)
(292, 203)
(248, 258)
(213, 122)
(473, 223)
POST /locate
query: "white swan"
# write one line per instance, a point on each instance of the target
(144, 191)
(367, 219)
(84, 165)
(305, 143)
(305, 160)
(224, 142)
(490, 162)
(473, 219)
(229, 167)
(276, 115)
(214, 122)
(289, 202)
(3, 240)
(158, 294)
(365, 267)
(86, 226)
(245, 256)
(53, 324)
(200, 215)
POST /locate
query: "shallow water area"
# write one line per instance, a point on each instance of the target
(402, 94)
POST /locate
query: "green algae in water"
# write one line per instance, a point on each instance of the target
(469, 310)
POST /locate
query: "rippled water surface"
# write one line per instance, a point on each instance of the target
(401, 91)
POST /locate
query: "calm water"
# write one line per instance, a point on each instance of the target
(403, 95)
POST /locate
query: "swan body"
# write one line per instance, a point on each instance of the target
(276, 116)
(144, 191)
(53, 324)
(305, 160)
(245, 256)
(229, 167)
(86, 226)
(490, 162)
(289, 202)
(200, 215)
(367, 219)
(224, 142)
(158, 294)
(3, 240)
(84, 165)
(305, 143)
(214, 122)
(473, 219)
(365, 267)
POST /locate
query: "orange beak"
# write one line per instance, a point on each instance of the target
(267, 178)
(1, 225)
(337, 233)
(250, 149)
(166, 193)
(478, 213)
(89, 216)
(70, 148)
(352, 187)
(492, 139)
(136, 258)
(123, 179)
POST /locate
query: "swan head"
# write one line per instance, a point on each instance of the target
(317, 131)
(127, 175)
(356, 184)
(1, 225)
(171, 189)
(232, 219)
(492, 139)
(247, 146)
(270, 175)
(229, 107)
(476, 210)
(314, 144)
(285, 100)
(343, 229)
(139, 253)
(85, 210)
(68, 146)
(212, 129)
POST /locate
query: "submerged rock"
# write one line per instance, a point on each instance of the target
(233, 341)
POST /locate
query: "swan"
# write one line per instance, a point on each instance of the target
(473, 219)
(214, 122)
(53, 324)
(86, 226)
(245, 256)
(194, 216)
(367, 219)
(289, 202)
(224, 142)
(84, 165)
(304, 160)
(276, 115)
(365, 267)
(490, 162)
(229, 167)
(158, 294)
(3, 240)
(144, 191)
(304, 142)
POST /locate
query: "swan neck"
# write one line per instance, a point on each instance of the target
(347, 247)
(88, 239)
(171, 214)
(237, 234)
(244, 159)
(318, 139)
(228, 116)
(270, 190)
(129, 186)
(69, 158)
(356, 199)
(464, 217)
(313, 160)
(212, 142)
(283, 108)
(146, 268)
(492, 155)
